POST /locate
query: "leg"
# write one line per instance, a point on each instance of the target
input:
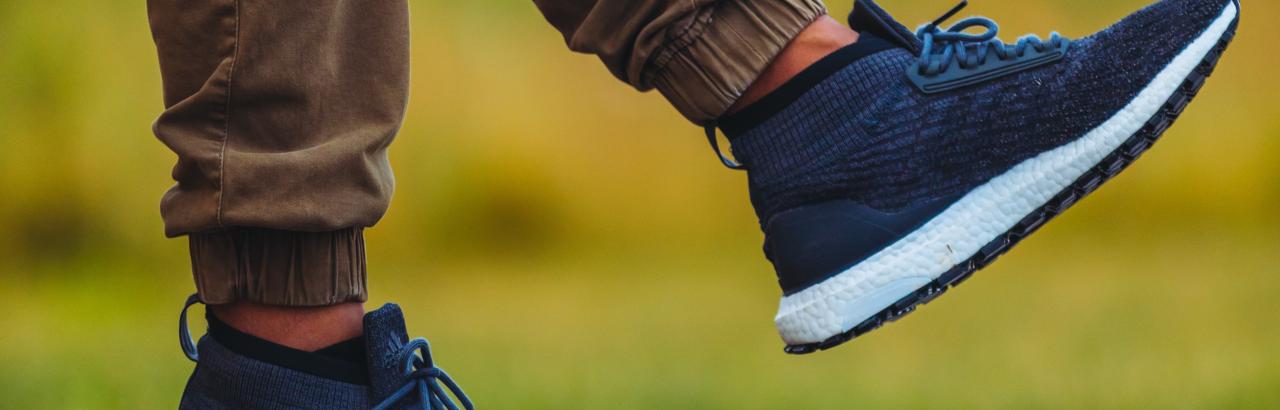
(888, 171)
(281, 124)
(281, 115)
(816, 41)
(303, 328)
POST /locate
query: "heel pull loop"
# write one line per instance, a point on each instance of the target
(184, 333)
(710, 128)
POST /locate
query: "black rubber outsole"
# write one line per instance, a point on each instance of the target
(1109, 167)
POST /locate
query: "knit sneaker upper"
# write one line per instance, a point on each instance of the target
(865, 133)
(402, 374)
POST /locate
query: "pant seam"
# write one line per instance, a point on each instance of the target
(226, 130)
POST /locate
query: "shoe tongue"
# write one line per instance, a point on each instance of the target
(384, 333)
(867, 16)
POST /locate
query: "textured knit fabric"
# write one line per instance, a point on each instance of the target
(385, 332)
(386, 338)
(866, 134)
(226, 380)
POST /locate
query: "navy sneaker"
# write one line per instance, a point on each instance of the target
(894, 168)
(380, 370)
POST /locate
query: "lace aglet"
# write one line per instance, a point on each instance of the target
(934, 25)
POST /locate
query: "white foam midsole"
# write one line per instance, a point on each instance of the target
(838, 304)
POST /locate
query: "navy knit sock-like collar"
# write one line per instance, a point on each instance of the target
(758, 112)
(344, 361)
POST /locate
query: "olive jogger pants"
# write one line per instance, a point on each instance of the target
(281, 113)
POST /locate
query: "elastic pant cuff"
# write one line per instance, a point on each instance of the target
(280, 268)
(709, 62)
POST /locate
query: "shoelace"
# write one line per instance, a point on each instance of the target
(971, 50)
(425, 377)
(939, 48)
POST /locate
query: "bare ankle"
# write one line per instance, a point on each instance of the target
(822, 37)
(303, 328)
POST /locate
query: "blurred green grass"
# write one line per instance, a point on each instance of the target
(568, 243)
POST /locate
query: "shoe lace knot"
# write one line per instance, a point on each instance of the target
(424, 378)
(941, 47)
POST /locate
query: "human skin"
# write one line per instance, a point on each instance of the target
(822, 37)
(303, 328)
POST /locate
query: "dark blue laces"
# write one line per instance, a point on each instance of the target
(941, 47)
(424, 377)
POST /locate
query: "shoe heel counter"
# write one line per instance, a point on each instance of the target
(810, 244)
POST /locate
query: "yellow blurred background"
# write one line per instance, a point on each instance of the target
(566, 242)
